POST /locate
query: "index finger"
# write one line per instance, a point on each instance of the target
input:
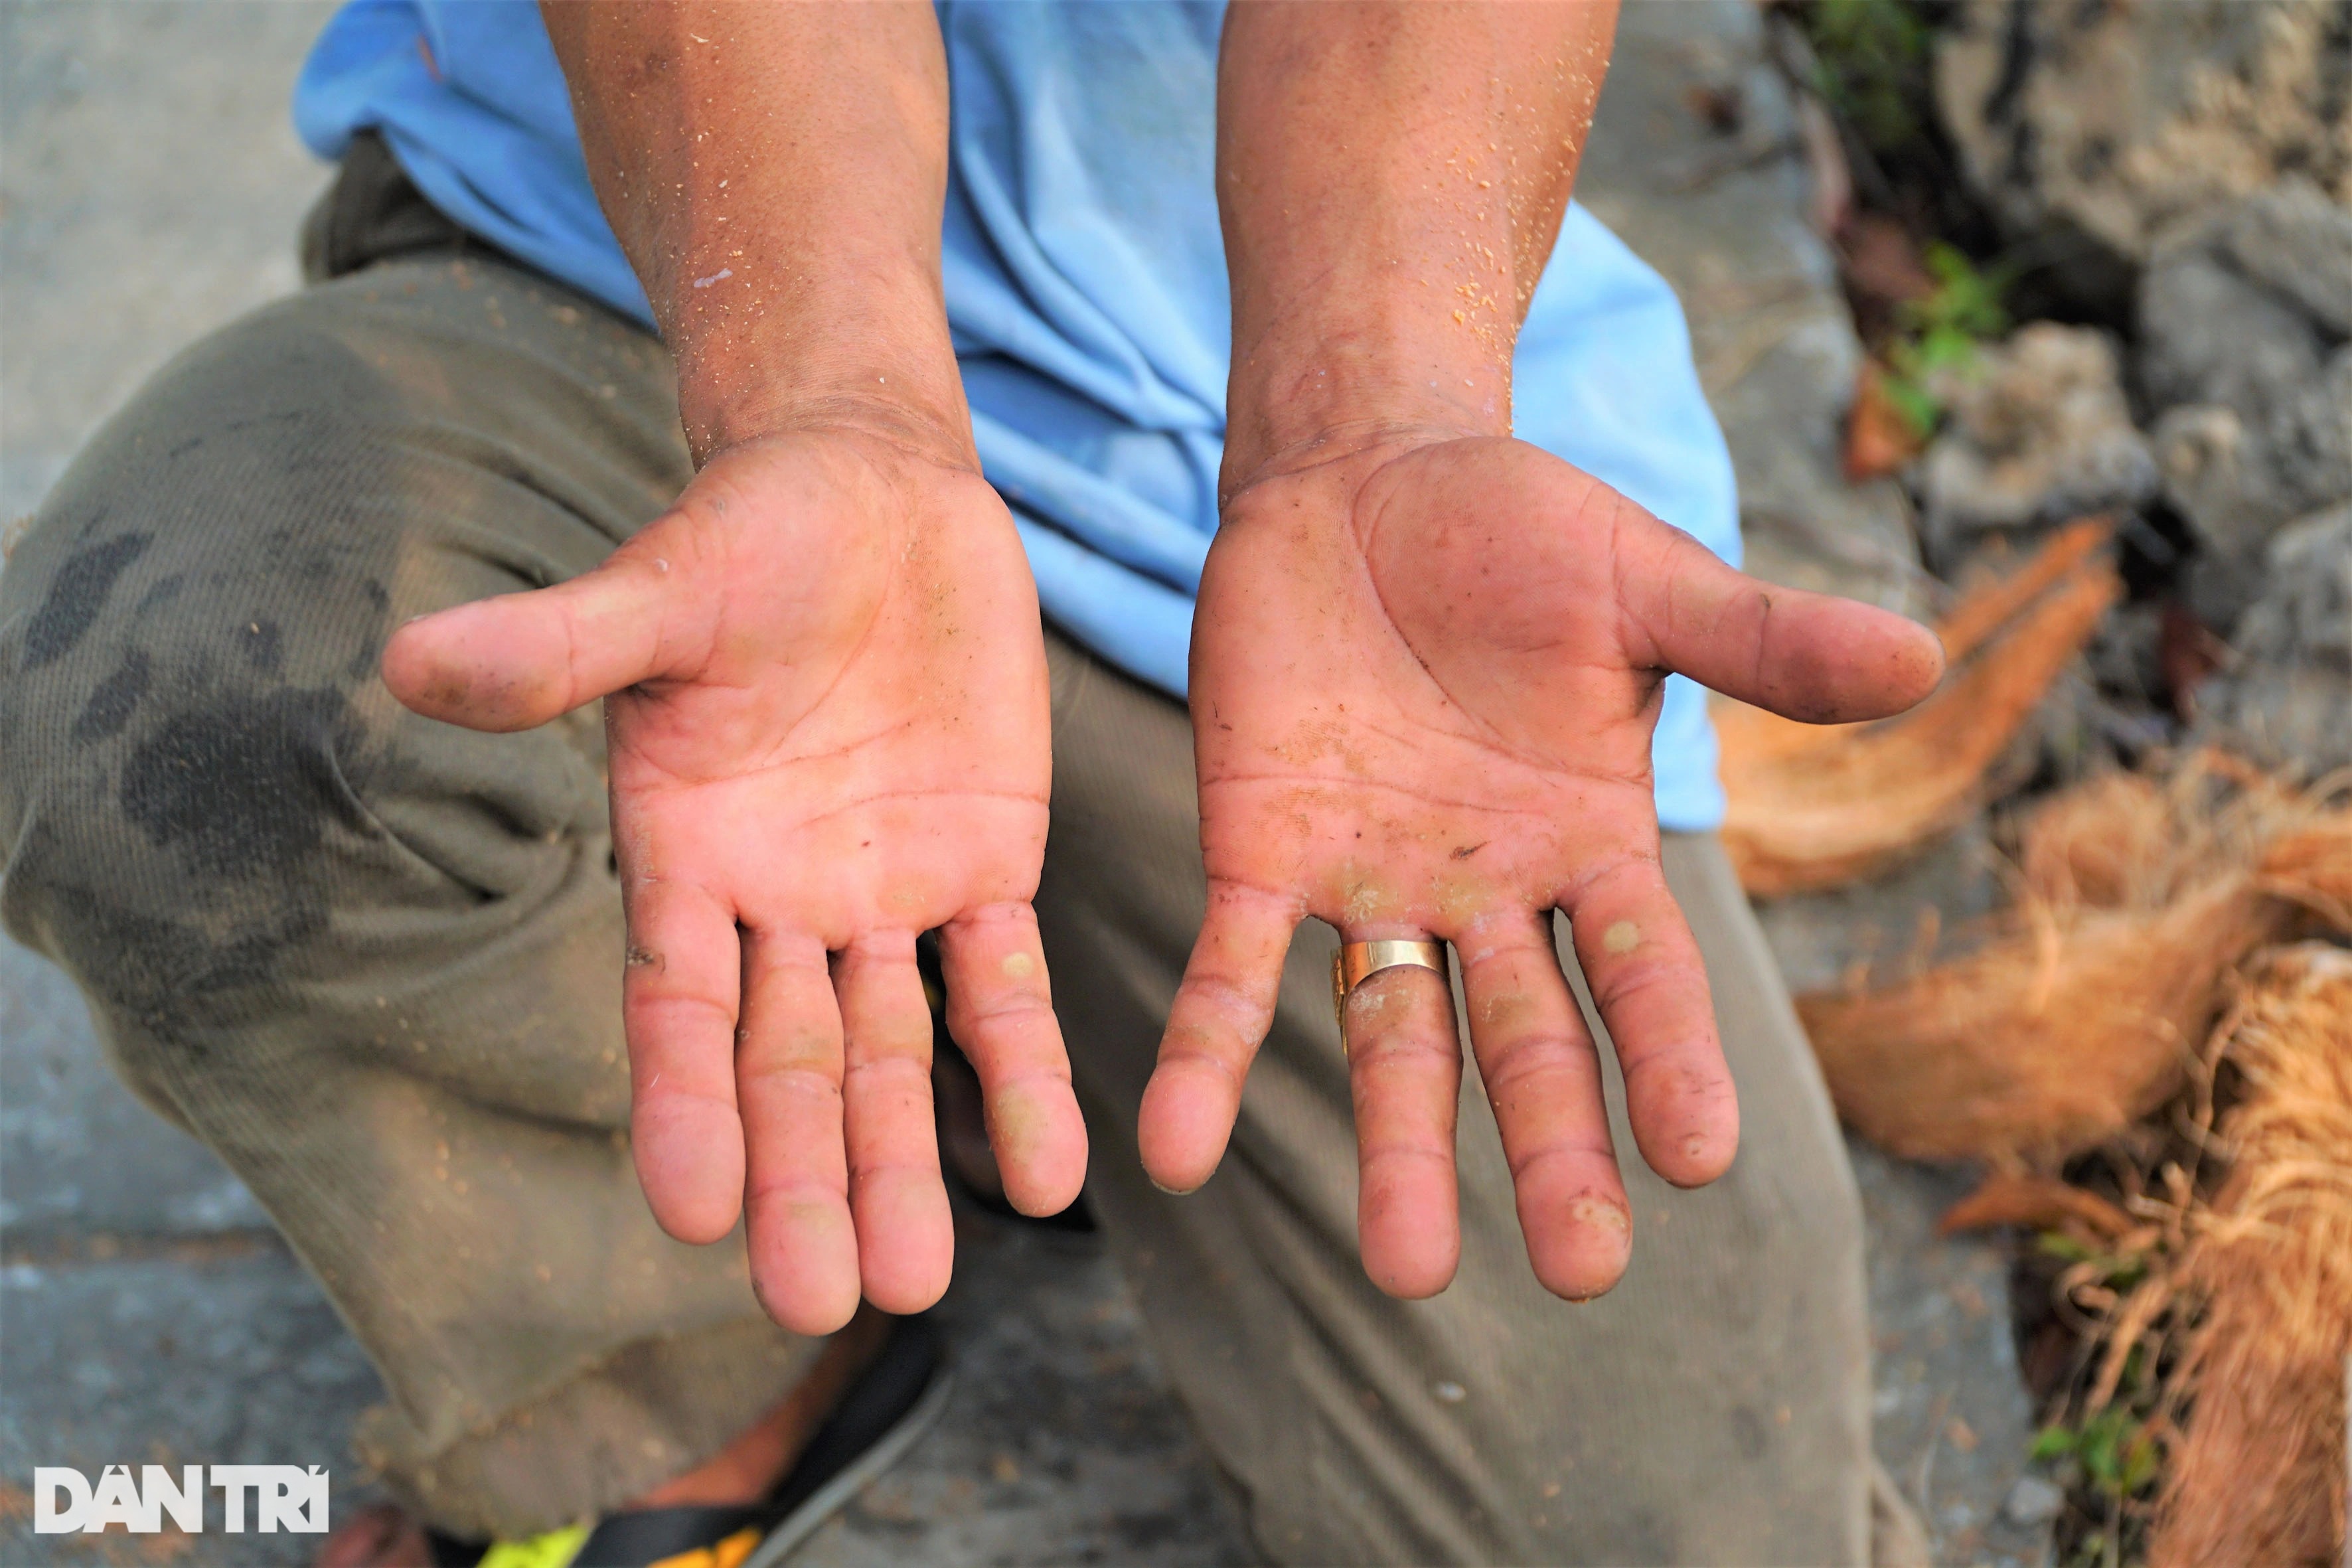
(680, 995)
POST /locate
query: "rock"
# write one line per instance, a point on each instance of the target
(2243, 315)
(2288, 699)
(2213, 335)
(2089, 128)
(2219, 587)
(2040, 432)
(2218, 476)
(2295, 240)
(2306, 616)
(2033, 1500)
(2237, 479)
(2124, 653)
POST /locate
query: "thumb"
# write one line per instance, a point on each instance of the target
(1809, 656)
(520, 660)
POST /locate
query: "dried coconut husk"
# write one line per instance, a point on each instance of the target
(2106, 843)
(2313, 867)
(2038, 1203)
(2080, 1011)
(2258, 1474)
(2134, 840)
(1814, 806)
(2045, 1041)
(1984, 607)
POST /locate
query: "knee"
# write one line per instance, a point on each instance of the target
(208, 794)
(183, 725)
(201, 774)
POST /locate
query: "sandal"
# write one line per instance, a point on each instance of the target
(894, 1401)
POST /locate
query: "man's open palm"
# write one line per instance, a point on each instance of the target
(826, 703)
(1425, 679)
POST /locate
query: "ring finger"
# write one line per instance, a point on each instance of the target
(1405, 1071)
(905, 1237)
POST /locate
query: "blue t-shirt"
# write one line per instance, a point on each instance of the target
(1086, 285)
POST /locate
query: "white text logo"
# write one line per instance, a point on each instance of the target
(285, 1497)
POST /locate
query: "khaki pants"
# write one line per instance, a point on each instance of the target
(374, 962)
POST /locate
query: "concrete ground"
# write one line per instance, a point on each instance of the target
(149, 189)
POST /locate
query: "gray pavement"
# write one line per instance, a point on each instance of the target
(149, 190)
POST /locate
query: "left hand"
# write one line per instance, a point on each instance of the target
(826, 697)
(1425, 677)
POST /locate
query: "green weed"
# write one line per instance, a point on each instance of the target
(1937, 335)
(1872, 57)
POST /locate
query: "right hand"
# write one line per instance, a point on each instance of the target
(825, 694)
(1426, 670)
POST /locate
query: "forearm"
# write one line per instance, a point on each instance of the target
(1392, 178)
(775, 174)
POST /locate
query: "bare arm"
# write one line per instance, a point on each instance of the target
(1427, 660)
(1392, 178)
(775, 174)
(823, 678)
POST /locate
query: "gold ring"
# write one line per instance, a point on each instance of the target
(1357, 962)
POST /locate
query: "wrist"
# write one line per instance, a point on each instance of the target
(924, 428)
(777, 356)
(1320, 389)
(1346, 362)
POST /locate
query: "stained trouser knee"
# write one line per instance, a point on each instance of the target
(372, 961)
(209, 802)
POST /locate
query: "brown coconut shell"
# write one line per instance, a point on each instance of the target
(1987, 605)
(1814, 807)
(2081, 1010)
(2045, 1041)
(2038, 1203)
(2259, 1474)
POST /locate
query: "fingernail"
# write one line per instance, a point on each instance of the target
(1172, 1192)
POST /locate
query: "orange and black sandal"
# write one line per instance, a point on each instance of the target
(891, 1404)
